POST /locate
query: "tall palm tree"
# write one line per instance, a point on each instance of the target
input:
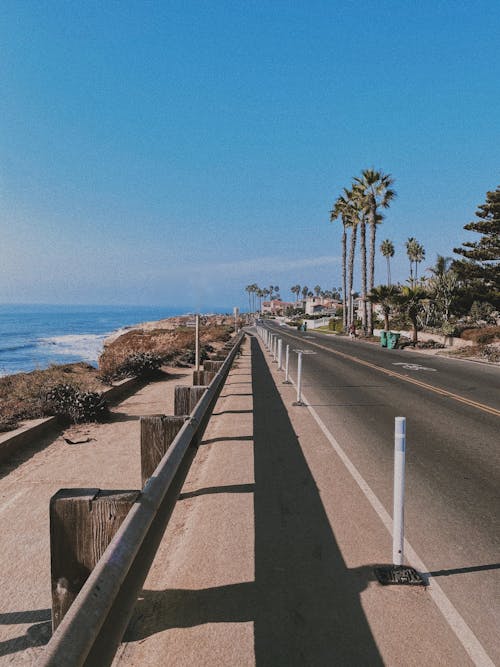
(317, 290)
(387, 250)
(411, 250)
(377, 192)
(295, 289)
(260, 295)
(416, 254)
(360, 213)
(341, 209)
(248, 290)
(305, 290)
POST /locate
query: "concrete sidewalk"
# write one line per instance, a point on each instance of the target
(108, 457)
(268, 558)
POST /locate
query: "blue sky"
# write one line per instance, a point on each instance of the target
(172, 152)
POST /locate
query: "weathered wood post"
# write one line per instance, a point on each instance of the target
(210, 365)
(157, 434)
(203, 377)
(82, 524)
(186, 398)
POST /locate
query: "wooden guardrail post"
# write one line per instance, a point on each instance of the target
(157, 434)
(211, 365)
(203, 377)
(82, 524)
(186, 398)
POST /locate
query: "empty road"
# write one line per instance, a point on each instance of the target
(452, 461)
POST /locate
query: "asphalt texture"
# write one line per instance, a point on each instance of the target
(452, 459)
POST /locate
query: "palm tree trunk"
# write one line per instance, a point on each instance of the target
(344, 275)
(388, 270)
(350, 276)
(362, 240)
(371, 279)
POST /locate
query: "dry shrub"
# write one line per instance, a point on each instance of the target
(482, 335)
(22, 396)
(167, 345)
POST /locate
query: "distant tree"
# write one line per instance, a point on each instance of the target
(305, 290)
(317, 290)
(387, 250)
(295, 289)
(479, 270)
(416, 254)
(386, 296)
(409, 301)
(248, 290)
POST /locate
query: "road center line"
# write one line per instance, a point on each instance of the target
(419, 383)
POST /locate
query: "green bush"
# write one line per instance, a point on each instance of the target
(67, 402)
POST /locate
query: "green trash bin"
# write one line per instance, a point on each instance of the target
(383, 338)
(392, 340)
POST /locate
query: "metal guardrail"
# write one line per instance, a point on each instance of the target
(93, 627)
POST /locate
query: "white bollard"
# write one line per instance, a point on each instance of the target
(287, 360)
(399, 491)
(275, 346)
(299, 379)
(280, 354)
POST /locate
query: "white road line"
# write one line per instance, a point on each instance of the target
(12, 500)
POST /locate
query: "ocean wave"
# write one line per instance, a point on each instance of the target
(86, 347)
(16, 348)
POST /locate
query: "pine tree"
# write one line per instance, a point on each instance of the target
(479, 271)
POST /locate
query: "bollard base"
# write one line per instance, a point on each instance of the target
(402, 575)
(298, 402)
(286, 382)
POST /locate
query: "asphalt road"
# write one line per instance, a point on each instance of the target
(452, 409)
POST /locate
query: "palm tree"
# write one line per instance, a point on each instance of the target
(416, 254)
(305, 290)
(295, 289)
(411, 251)
(386, 296)
(358, 204)
(387, 250)
(350, 219)
(260, 295)
(441, 266)
(409, 301)
(248, 290)
(377, 193)
(317, 290)
(341, 208)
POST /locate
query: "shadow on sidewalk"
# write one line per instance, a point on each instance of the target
(308, 610)
(304, 602)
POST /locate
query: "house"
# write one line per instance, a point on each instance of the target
(276, 307)
(318, 304)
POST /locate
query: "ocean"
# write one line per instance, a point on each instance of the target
(33, 337)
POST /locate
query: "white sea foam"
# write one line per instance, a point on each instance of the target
(86, 347)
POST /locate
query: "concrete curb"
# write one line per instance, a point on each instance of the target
(33, 429)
